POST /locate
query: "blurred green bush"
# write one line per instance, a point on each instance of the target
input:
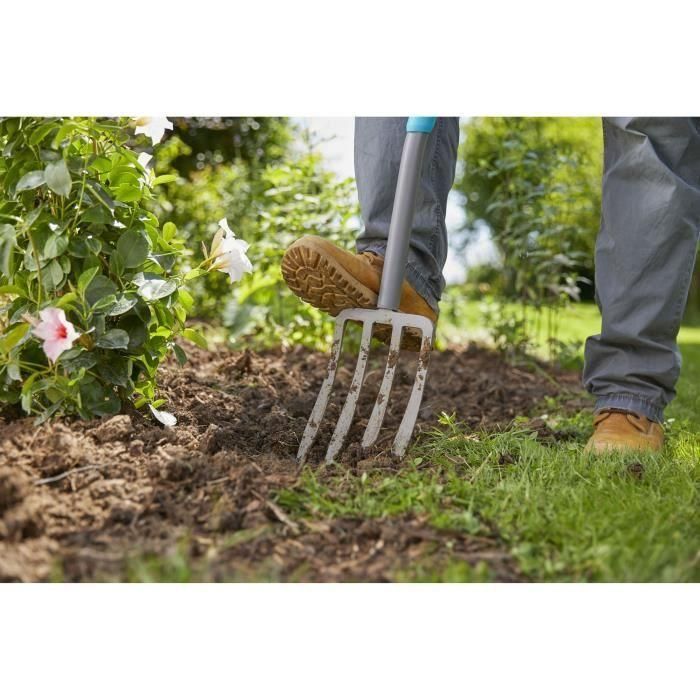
(535, 182)
(269, 203)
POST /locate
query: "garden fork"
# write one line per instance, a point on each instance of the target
(418, 131)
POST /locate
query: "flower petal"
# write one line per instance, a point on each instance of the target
(144, 159)
(224, 225)
(216, 243)
(153, 127)
(167, 419)
(55, 346)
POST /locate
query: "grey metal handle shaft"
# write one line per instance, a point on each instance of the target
(396, 256)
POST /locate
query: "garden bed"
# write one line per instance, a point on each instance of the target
(126, 499)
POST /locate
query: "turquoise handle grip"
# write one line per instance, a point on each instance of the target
(424, 125)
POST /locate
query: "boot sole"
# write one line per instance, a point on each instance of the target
(319, 280)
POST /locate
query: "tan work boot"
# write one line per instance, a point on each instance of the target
(333, 279)
(619, 430)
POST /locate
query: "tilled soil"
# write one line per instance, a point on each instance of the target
(106, 500)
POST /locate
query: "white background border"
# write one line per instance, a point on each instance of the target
(349, 57)
(349, 641)
(325, 58)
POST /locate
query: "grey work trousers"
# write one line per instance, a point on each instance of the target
(645, 250)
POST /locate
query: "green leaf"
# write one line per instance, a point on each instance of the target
(133, 247)
(105, 303)
(94, 245)
(101, 164)
(66, 300)
(98, 400)
(117, 371)
(62, 134)
(193, 274)
(54, 246)
(169, 231)
(158, 288)
(116, 265)
(78, 358)
(27, 392)
(123, 304)
(14, 372)
(163, 179)
(99, 288)
(12, 289)
(58, 178)
(96, 215)
(180, 354)
(48, 156)
(127, 193)
(86, 277)
(31, 181)
(114, 339)
(7, 246)
(195, 337)
(52, 275)
(137, 330)
(12, 337)
(186, 299)
(164, 260)
(41, 131)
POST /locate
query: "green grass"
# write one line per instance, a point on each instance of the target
(564, 515)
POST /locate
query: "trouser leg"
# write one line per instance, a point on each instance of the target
(644, 260)
(378, 145)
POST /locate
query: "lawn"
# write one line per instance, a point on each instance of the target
(563, 515)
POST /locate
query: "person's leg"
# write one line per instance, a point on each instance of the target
(378, 145)
(644, 260)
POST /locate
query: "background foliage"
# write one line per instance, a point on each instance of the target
(535, 182)
(269, 203)
(255, 141)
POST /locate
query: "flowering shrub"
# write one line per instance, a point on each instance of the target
(92, 287)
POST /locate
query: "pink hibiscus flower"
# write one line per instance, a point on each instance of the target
(56, 331)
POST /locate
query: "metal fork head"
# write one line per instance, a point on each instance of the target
(369, 318)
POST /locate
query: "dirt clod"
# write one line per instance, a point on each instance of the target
(636, 470)
(116, 428)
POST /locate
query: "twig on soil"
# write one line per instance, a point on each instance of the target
(217, 481)
(63, 475)
(544, 374)
(278, 513)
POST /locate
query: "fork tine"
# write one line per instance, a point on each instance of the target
(345, 419)
(319, 409)
(405, 430)
(377, 418)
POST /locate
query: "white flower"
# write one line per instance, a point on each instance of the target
(229, 253)
(144, 160)
(153, 127)
(167, 419)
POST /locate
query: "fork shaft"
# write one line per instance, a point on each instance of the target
(396, 255)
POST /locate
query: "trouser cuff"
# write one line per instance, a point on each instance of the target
(415, 277)
(632, 403)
